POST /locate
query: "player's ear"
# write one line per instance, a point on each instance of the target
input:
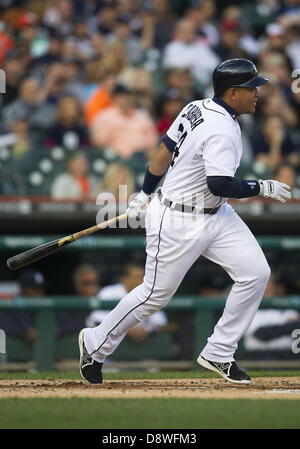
(233, 93)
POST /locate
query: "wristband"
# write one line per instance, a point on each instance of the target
(150, 182)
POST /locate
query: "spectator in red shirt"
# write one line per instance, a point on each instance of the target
(172, 104)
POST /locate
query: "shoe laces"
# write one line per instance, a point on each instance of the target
(87, 359)
(225, 366)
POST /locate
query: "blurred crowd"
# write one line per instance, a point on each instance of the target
(92, 85)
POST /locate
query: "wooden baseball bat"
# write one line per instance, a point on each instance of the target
(41, 251)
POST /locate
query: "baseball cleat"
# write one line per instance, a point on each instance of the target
(228, 370)
(90, 370)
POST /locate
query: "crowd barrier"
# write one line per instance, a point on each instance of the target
(203, 313)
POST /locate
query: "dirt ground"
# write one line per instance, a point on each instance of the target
(266, 388)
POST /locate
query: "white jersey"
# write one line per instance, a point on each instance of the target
(206, 141)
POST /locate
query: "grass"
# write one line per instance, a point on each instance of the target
(150, 413)
(170, 413)
(197, 374)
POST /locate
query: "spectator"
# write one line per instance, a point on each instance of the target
(271, 329)
(68, 131)
(115, 177)
(100, 98)
(31, 100)
(53, 84)
(172, 104)
(81, 39)
(295, 104)
(293, 45)
(76, 183)
(163, 25)
(98, 44)
(286, 173)
(123, 126)
(230, 41)
(86, 281)
(74, 85)
(14, 70)
(247, 42)
(201, 12)
(6, 42)
(114, 57)
(104, 21)
(181, 79)
(132, 276)
(186, 51)
(141, 82)
(28, 29)
(274, 145)
(133, 47)
(259, 14)
(276, 67)
(94, 73)
(275, 38)
(22, 324)
(21, 140)
(52, 54)
(86, 284)
(273, 102)
(59, 15)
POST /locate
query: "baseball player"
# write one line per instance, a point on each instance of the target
(189, 216)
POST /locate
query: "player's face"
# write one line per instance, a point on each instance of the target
(245, 99)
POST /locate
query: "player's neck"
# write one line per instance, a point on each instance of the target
(226, 106)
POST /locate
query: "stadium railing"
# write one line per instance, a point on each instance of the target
(9, 242)
(203, 310)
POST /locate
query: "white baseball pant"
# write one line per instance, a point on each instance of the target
(175, 240)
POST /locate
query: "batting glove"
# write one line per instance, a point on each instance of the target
(137, 206)
(274, 189)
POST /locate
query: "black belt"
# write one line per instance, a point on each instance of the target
(185, 207)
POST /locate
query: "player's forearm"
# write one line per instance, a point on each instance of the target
(156, 169)
(160, 161)
(229, 187)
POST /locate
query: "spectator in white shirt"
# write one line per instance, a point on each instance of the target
(187, 51)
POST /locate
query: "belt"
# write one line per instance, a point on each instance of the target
(184, 207)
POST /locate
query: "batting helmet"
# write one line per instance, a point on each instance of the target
(236, 72)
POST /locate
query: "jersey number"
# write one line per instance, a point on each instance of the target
(182, 137)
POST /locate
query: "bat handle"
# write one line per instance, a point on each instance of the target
(107, 223)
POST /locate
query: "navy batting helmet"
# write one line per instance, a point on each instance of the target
(236, 72)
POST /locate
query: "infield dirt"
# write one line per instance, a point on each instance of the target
(262, 388)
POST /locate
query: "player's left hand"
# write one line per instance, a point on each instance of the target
(274, 189)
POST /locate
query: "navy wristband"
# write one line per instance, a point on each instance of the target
(150, 182)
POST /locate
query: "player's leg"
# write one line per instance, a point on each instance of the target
(172, 247)
(237, 251)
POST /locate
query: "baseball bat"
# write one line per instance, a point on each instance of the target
(41, 251)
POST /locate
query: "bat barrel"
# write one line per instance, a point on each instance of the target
(32, 255)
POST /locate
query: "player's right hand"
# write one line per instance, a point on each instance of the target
(274, 189)
(137, 206)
